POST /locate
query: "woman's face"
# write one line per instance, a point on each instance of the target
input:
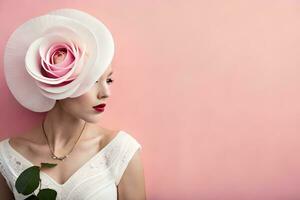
(82, 107)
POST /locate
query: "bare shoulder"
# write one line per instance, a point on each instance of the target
(23, 141)
(107, 135)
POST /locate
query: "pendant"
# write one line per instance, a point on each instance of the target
(59, 158)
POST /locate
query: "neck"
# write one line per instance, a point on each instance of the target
(62, 129)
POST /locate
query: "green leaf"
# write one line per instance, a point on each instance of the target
(28, 180)
(47, 194)
(32, 197)
(48, 165)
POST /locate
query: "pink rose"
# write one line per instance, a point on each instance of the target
(59, 60)
(65, 51)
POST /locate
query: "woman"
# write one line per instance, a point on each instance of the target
(67, 75)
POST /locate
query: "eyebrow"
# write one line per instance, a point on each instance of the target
(110, 73)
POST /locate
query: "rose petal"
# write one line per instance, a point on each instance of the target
(104, 46)
(57, 90)
(46, 57)
(79, 34)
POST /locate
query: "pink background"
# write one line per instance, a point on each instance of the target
(209, 88)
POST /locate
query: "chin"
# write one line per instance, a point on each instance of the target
(92, 119)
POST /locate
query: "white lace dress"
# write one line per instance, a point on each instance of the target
(97, 179)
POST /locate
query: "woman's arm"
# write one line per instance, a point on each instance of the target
(5, 192)
(132, 183)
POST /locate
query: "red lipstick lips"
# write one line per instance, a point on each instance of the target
(100, 107)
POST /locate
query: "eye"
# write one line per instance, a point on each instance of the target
(110, 80)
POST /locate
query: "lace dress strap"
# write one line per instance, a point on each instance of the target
(128, 146)
(4, 167)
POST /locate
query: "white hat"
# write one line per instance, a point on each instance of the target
(31, 75)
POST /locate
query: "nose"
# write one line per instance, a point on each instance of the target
(103, 92)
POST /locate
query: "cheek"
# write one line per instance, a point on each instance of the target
(86, 101)
(80, 104)
(86, 98)
(77, 104)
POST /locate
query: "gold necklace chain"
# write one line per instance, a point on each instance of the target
(53, 155)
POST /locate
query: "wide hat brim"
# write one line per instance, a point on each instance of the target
(21, 68)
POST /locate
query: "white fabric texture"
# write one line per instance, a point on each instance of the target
(97, 179)
(32, 76)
